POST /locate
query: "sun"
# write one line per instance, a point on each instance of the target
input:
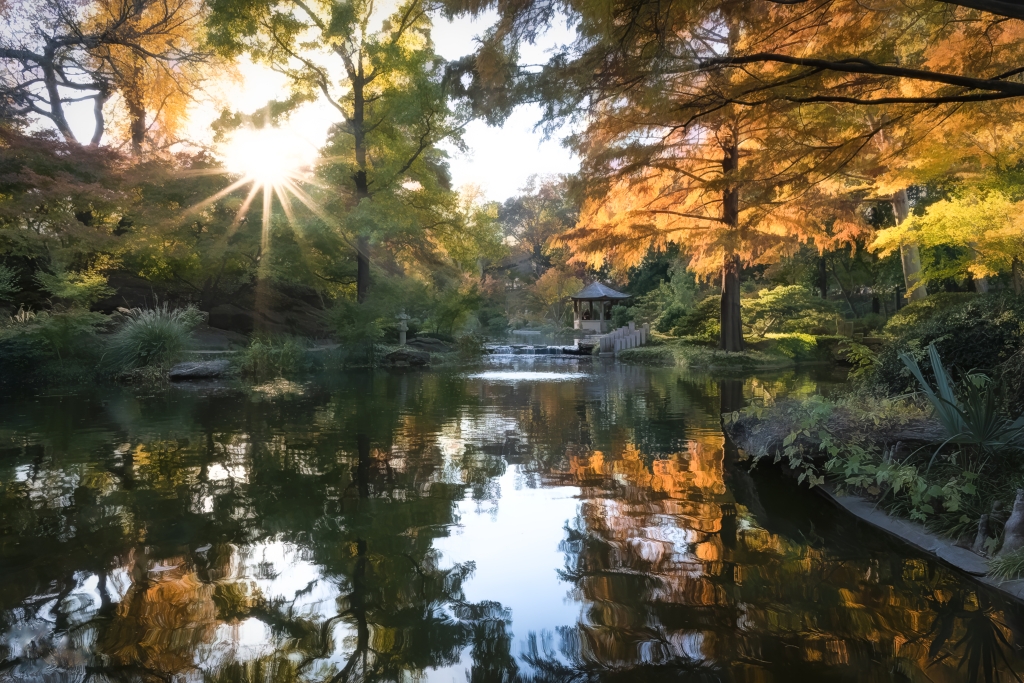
(267, 156)
(272, 162)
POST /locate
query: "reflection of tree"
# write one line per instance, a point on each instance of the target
(153, 541)
(162, 529)
(679, 577)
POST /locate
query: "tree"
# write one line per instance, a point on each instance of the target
(888, 75)
(985, 229)
(390, 97)
(730, 188)
(146, 52)
(553, 290)
(61, 205)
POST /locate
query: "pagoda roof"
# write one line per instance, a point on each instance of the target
(596, 290)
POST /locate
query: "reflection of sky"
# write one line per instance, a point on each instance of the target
(516, 550)
(280, 572)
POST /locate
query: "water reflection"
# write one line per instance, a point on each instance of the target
(447, 526)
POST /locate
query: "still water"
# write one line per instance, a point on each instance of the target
(533, 519)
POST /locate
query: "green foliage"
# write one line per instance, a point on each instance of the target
(1007, 567)
(151, 336)
(621, 315)
(972, 333)
(833, 438)
(359, 325)
(909, 318)
(975, 233)
(81, 288)
(469, 346)
(974, 418)
(452, 307)
(861, 357)
(704, 358)
(799, 347)
(648, 355)
(269, 357)
(8, 282)
(789, 308)
(66, 333)
(493, 321)
(702, 322)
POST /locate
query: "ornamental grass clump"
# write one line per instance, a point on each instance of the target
(269, 357)
(151, 336)
(1007, 567)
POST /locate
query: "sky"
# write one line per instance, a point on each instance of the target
(499, 161)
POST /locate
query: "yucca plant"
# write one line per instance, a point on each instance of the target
(973, 419)
(151, 336)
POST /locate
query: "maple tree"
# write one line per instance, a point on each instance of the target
(145, 57)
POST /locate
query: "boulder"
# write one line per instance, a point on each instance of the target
(206, 369)
(429, 344)
(407, 358)
(231, 317)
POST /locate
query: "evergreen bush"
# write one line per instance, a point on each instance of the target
(972, 333)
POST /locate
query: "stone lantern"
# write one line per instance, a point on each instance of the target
(403, 327)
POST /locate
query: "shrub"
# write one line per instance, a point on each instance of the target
(8, 282)
(672, 317)
(972, 334)
(53, 346)
(79, 289)
(799, 347)
(702, 322)
(648, 355)
(621, 315)
(789, 308)
(916, 313)
(66, 333)
(470, 346)
(151, 336)
(270, 357)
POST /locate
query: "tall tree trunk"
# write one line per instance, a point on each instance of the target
(1018, 277)
(823, 276)
(56, 113)
(137, 121)
(362, 183)
(731, 337)
(909, 253)
(97, 112)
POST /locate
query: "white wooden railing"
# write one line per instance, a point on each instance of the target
(627, 337)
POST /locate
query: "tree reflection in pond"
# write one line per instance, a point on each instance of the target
(298, 537)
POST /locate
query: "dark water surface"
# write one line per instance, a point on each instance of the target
(538, 519)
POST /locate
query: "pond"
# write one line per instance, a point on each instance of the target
(546, 519)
